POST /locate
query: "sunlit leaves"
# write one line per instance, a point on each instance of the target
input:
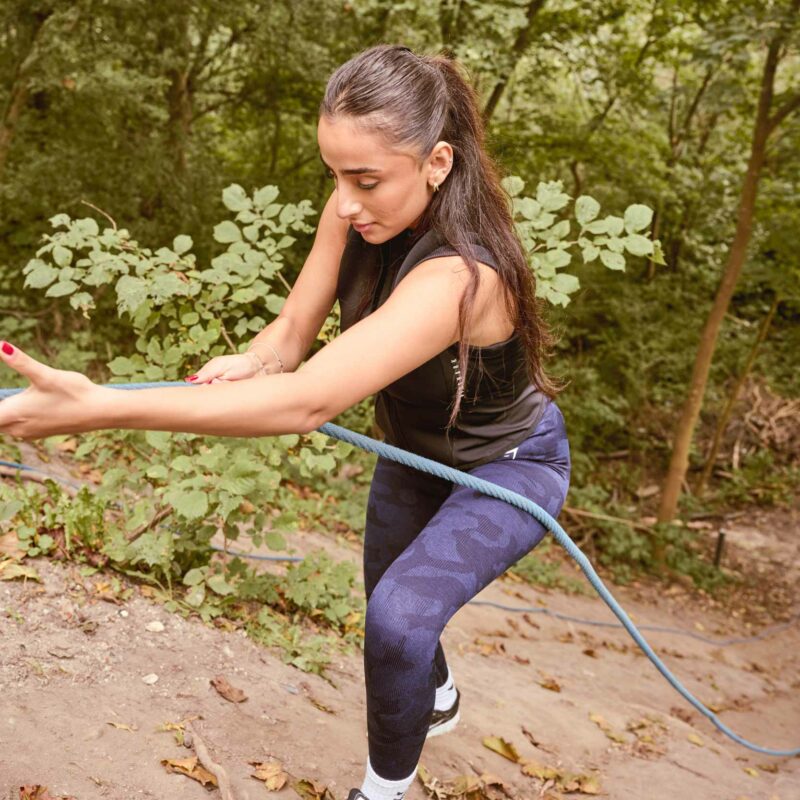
(546, 240)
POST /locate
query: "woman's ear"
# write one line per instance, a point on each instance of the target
(440, 162)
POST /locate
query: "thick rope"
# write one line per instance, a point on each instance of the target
(513, 498)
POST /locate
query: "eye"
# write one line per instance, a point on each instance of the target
(329, 173)
(367, 186)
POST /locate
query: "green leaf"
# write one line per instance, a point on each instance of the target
(158, 440)
(568, 284)
(59, 221)
(638, 245)
(590, 253)
(598, 226)
(131, 293)
(264, 196)
(274, 303)
(195, 576)
(218, 584)
(227, 232)
(527, 207)
(182, 244)
(275, 540)
(62, 288)
(559, 231)
(513, 184)
(157, 472)
(550, 196)
(615, 225)
(637, 217)
(612, 260)
(62, 256)
(586, 209)
(235, 198)
(196, 595)
(286, 241)
(82, 300)
(87, 226)
(39, 274)
(190, 505)
(557, 258)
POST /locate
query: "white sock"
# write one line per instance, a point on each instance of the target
(445, 695)
(377, 788)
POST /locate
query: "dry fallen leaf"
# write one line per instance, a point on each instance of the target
(271, 772)
(607, 729)
(10, 546)
(312, 790)
(37, 792)
(10, 570)
(548, 682)
(190, 768)
(461, 787)
(502, 747)
(234, 695)
(122, 726)
(561, 779)
(751, 771)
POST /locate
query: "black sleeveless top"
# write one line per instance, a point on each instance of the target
(499, 409)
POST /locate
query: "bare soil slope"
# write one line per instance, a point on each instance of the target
(76, 716)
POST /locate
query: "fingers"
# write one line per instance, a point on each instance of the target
(13, 357)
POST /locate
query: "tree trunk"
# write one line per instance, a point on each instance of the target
(517, 51)
(684, 433)
(725, 416)
(179, 98)
(18, 93)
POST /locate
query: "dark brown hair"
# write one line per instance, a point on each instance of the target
(415, 101)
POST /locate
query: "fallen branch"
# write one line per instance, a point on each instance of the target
(581, 512)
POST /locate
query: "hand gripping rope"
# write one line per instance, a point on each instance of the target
(515, 499)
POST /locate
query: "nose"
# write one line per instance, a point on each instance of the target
(347, 207)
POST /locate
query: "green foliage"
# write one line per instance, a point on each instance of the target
(547, 243)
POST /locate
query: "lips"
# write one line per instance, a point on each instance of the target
(361, 226)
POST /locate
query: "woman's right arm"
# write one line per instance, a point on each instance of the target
(296, 327)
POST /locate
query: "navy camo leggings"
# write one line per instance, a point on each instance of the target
(429, 547)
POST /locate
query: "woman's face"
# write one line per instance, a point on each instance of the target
(380, 190)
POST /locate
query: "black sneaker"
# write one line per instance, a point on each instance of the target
(443, 721)
(355, 794)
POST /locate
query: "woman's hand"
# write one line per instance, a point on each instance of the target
(56, 401)
(228, 368)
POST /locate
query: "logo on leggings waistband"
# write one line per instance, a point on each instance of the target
(512, 452)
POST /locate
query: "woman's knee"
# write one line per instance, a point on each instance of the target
(398, 616)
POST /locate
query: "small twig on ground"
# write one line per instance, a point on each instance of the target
(136, 533)
(223, 781)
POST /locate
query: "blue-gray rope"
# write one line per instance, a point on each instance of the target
(513, 498)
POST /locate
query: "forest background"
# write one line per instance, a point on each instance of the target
(126, 137)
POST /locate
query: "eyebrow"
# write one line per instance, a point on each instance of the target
(355, 170)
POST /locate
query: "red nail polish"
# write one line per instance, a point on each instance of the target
(192, 378)
(8, 349)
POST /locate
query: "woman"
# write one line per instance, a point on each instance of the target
(439, 318)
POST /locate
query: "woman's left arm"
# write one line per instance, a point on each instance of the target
(418, 321)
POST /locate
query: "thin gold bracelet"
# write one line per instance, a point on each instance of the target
(262, 366)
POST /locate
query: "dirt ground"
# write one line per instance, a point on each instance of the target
(77, 717)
